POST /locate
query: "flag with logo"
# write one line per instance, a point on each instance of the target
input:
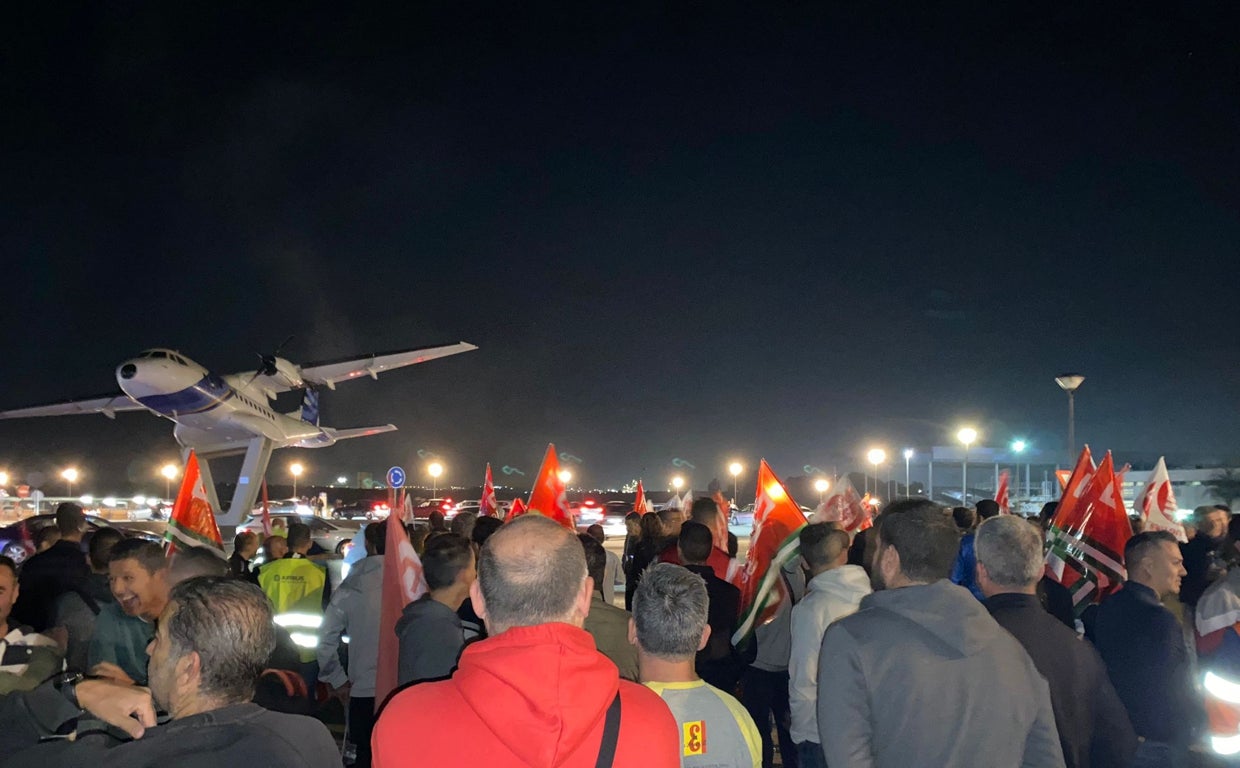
(846, 507)
(1157, 504)
(487, 507)
(516, 510)
(1087, 539)
(403, 582)
(192, 522)
(1001, 494)
(549, 497)
(774, 543)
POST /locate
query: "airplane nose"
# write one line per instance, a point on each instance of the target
(128, 371)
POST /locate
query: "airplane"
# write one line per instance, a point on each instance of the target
(219, 416)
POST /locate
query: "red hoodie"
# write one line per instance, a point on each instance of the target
(530, 697)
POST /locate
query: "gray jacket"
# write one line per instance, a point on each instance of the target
(354, 611)
(431, 637)
(923, 676)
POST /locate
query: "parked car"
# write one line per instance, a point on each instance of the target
(17, 539)
(368, 509)
(469, 505)
(586, 513)
(332, 536)
(742, 516)
(285, 507)
(422, 509)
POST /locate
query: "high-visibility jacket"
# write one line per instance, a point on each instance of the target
(295, 587)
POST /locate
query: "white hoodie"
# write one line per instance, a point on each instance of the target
(829, 596)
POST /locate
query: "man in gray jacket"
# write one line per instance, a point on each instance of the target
(922, 675)
(354, 611)
(430, 632)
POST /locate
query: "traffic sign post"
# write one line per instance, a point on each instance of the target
(395, 477)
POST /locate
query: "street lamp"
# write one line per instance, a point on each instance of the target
(565, 476)
(821, 485)
(1069, 382)
(434, 469)
(735, 468)
(908, 456)
(966, 436)
(296, 470)
(342, 480)
(70, 476)
(169, 471)
(876, 456)
(678, 482)
(1018, 447)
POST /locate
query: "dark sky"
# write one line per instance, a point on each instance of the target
(790, 230)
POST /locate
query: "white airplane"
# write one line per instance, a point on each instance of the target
(225, 415)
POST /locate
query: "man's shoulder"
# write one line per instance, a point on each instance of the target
(644, 700)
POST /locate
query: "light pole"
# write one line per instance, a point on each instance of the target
(966, 436)
(735, 468)
(821, 485)
(678, 482)
(169, 471)
(908, 456)
(876, 456)
(1070, 382)
(564, 475)
(70, 476)
(434, 469)
(1018, 447)
(295, 469)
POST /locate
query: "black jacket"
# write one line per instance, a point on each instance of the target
(46, 576)
(1143, 648)
(1203, 566)
(1093, 725)
(718, 663)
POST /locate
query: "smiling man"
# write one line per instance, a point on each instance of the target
(138, 578)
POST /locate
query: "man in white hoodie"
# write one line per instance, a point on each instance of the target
(835, 590)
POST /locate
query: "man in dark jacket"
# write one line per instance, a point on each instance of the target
(1203, 562)
(429, 630)
(49, 574)
(214, 636)
(77, 611)
(1093, 725)
(1143, 647)
(717, 663)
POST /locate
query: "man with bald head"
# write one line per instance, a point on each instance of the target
(536, 692)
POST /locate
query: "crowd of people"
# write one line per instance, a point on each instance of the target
(933, 638)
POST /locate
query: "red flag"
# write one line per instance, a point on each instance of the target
(1074, 486)
(549, 497)
(774, 543)
(403, 582)
(266, 511)
(1157, 504)
(1001, 495)
(640, 503)
(852, 512)
(516, 510)
(487, 507)
(1088, 535)
(192, 522)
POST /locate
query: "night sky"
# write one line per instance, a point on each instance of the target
(792, 230)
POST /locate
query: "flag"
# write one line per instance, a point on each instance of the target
(403, 582)
(192, 522)
(1157, 504)
(686, 501)
(845, 507)
(1077, 480)
(266, 511)
(548, 497)
(1087, 538)
(516, 510)
(640, 505)
(487, 507)
(774, 543)
(1001, 495)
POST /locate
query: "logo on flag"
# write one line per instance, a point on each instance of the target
(403, 582)
(487, 507)
(549, 497)
(1157, 505)
(192, 522)
(846, 507)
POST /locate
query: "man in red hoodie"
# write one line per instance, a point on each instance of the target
(536, 692)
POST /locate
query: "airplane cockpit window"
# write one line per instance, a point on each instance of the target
(159, 354)
(177, 359)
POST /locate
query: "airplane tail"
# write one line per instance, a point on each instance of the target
(310, 406)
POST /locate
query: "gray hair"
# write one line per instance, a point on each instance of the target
(670, 611)
(228, 623)
(532, 584)
(196, 561)
(1011, 550)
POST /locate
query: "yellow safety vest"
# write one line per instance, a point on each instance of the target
(295, 588)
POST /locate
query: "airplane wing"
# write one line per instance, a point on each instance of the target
(332, 372)
(108, 405)
(345, 434)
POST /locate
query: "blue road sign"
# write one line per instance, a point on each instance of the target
(395, 477)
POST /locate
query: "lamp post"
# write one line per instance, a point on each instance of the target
(908, 456)
(678, 482)
(1018, 447)
(966, 436)
(821, 485)
(70, 476)
(564, 475)
(434, 469)
(295, 469)
(1070, 382)
(735, 469)
(876, 456)
(169, 471)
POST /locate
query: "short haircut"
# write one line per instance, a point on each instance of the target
(534, 585)
(597, 532)
(924, 536)
(241, 539)
(48, 534)
(1011, 550)
(670, 610)
(445, 557)
(192, 562)
(228, 623)
(375, 536)
(69, 518)
(463, 524)
(484, 528)
(596, 559)
(436, 518)
(822, 543)
(298, 535)
(102, 542)
(1144, 544)
(148, 554)
(704, 511)
(964, 517)
(695, 541)
(7, 562)
(987, 508)
(633, 516)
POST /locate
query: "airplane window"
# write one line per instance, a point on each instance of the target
(159, 355)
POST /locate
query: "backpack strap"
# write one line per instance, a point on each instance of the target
(611, 733)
